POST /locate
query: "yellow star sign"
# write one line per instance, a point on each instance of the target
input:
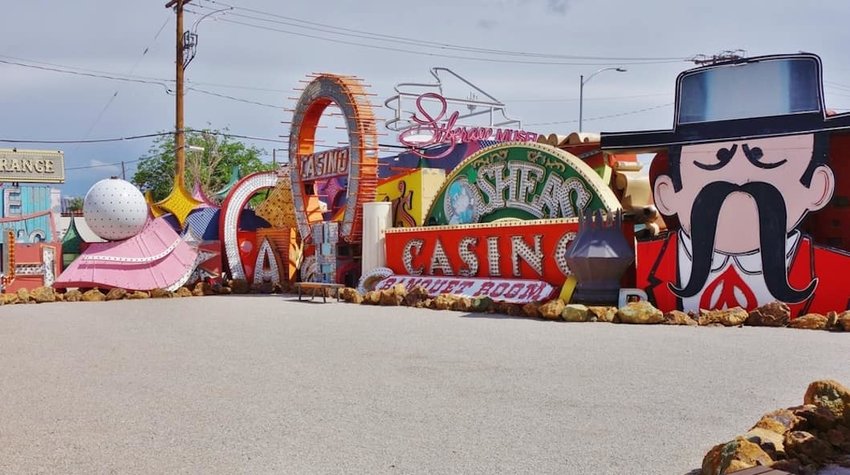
(179, 203)
(155, 210)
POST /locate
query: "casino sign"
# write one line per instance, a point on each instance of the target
(519, 180)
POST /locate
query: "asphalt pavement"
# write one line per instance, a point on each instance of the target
(265, 384)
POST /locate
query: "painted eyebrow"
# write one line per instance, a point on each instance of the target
(724, 156)
(755, 155)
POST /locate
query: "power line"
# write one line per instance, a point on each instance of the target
(132, 70)
(232, 98)
(575, 99)
(604, 116)
(85, 70)
(237, 86)
(342, 31)
(129, 78)
(111, 74)
(103, 165)
(424, 53)
(162, 82)
(87, 74)
(139, 136)
(82, 141)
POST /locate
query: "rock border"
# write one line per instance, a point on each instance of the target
(801, 440)
(775, 314)
(49, 294)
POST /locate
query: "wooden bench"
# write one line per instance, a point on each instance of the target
(313, 287)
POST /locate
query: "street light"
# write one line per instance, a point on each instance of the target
(582, 82)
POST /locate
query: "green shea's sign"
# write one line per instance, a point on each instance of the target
(519, 181)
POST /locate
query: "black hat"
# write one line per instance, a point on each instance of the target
(764, 96)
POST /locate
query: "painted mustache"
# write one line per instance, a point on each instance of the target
(772, 218)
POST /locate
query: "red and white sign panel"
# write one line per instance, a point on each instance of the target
(533, 250)
(507, 290)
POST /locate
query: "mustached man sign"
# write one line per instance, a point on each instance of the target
(751, 155)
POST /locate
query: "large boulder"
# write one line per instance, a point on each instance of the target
(779, 421)
(730, 317)
(507, 308)
(355, 297)
(552, 309)
(640, 312)
(843, 321)
(602, 314)
(93, 295)
(220, 289)
(372, 297)
(829, 394)
(772, 443)
(73, 295)
(810, 321)
(9, 299)
(350, 295)
(443, 302)
(183, 292)
(813, 438)
(808, 448)
(815, 418)
(43, 294)
(675, 317)
(483, 304)
(139, 295)
(416, 297)
(732, 456)
(239, 286)
(390, 298)
(202, 288)
(575, 313)
(23, 296)
(462, 304)
(116, 294)
(161, 294)
(531, 310)
(839, 437)
(774, 314)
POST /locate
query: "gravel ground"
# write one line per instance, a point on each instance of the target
(266, 384)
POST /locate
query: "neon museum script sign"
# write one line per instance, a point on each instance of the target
(428, 130)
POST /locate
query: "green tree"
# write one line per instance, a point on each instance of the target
(211, 167)
(75, 204)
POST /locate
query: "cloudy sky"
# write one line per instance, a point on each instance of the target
(257, 52)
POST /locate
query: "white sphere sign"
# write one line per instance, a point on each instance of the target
(115, 209)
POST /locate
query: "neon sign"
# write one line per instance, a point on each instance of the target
(434, 130)
(519, 181)
(533, 250)
(325, 164)
(507, 290)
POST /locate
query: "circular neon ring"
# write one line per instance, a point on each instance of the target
(349, 95)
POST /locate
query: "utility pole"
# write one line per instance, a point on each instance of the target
(179, 135)
(123, 171)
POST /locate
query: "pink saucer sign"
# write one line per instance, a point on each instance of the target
(505, 290)
(432, 130)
